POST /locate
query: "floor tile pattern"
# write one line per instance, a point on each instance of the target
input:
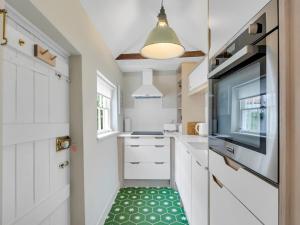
(147, 206)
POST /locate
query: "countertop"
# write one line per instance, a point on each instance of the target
(196, 145)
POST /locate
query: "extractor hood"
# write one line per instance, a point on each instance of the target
(147, 90)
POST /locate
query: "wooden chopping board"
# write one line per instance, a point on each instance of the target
(191, 128)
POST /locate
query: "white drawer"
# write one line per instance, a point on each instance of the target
(147, 141)
(147, 171)
(157, 153)
(257, 195)
(225, 209)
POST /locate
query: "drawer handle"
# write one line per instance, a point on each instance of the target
(159, 146)
(219, 183)
(233, 165)
(134, 163)
(159, 138)
(159, 163)
(134, 137)
(135, 146)
(198, 163)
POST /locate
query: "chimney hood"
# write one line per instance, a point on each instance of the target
(147, 90)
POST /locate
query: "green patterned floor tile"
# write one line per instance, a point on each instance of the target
(147, 206)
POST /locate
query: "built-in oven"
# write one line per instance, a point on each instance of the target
(244, 98)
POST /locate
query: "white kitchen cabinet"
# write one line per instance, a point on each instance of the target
(147, 170)
(199, 194)
(225, 209)
(228, 17)
(187, 182)
(178, 166)
(198, 78)
(183, 176)
(260, 197)
(147, 158)
(156, 153)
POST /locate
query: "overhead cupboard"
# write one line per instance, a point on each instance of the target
(198, 77)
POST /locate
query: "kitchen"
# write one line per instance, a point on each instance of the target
(149, 112)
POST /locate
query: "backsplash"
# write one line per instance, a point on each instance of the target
(149, 115)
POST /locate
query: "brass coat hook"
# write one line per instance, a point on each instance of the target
(4, 38)
(21, 42)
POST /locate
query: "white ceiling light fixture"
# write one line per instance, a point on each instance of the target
(162, 42)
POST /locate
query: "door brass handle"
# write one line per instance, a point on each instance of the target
(4, 38)
(219, 183)
(233, 165)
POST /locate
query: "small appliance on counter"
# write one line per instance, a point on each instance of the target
(170, 127)
(201, 129)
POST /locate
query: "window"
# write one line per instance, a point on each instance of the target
(252, 114)
(105, 95)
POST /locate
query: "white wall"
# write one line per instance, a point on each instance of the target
(98, 160)
(150, 114)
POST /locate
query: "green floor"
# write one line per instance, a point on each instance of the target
(147, 206)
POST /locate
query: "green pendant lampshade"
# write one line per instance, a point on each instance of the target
(162, 42)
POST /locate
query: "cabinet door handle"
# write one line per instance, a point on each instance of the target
(219, 183)
(159, 146)
(135, 146)
(134, 163)
(233, 165)
(159, 163)
(159, 137)
(188, 152)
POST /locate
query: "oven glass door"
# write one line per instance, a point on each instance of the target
(240, 106)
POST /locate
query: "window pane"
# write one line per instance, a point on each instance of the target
(251, 121)
(104, 93)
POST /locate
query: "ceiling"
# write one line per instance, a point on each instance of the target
(125, 25)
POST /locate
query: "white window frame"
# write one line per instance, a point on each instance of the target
(107, 108)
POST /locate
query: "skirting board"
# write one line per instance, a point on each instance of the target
(106, 211)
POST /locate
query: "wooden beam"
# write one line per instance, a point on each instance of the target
(137, 56)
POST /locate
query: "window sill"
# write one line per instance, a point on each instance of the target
(104, 136)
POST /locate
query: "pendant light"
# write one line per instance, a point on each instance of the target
(162, 42)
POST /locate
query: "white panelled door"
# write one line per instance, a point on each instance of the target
(35, 110)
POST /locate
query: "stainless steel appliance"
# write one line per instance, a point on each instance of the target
(243, 84)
